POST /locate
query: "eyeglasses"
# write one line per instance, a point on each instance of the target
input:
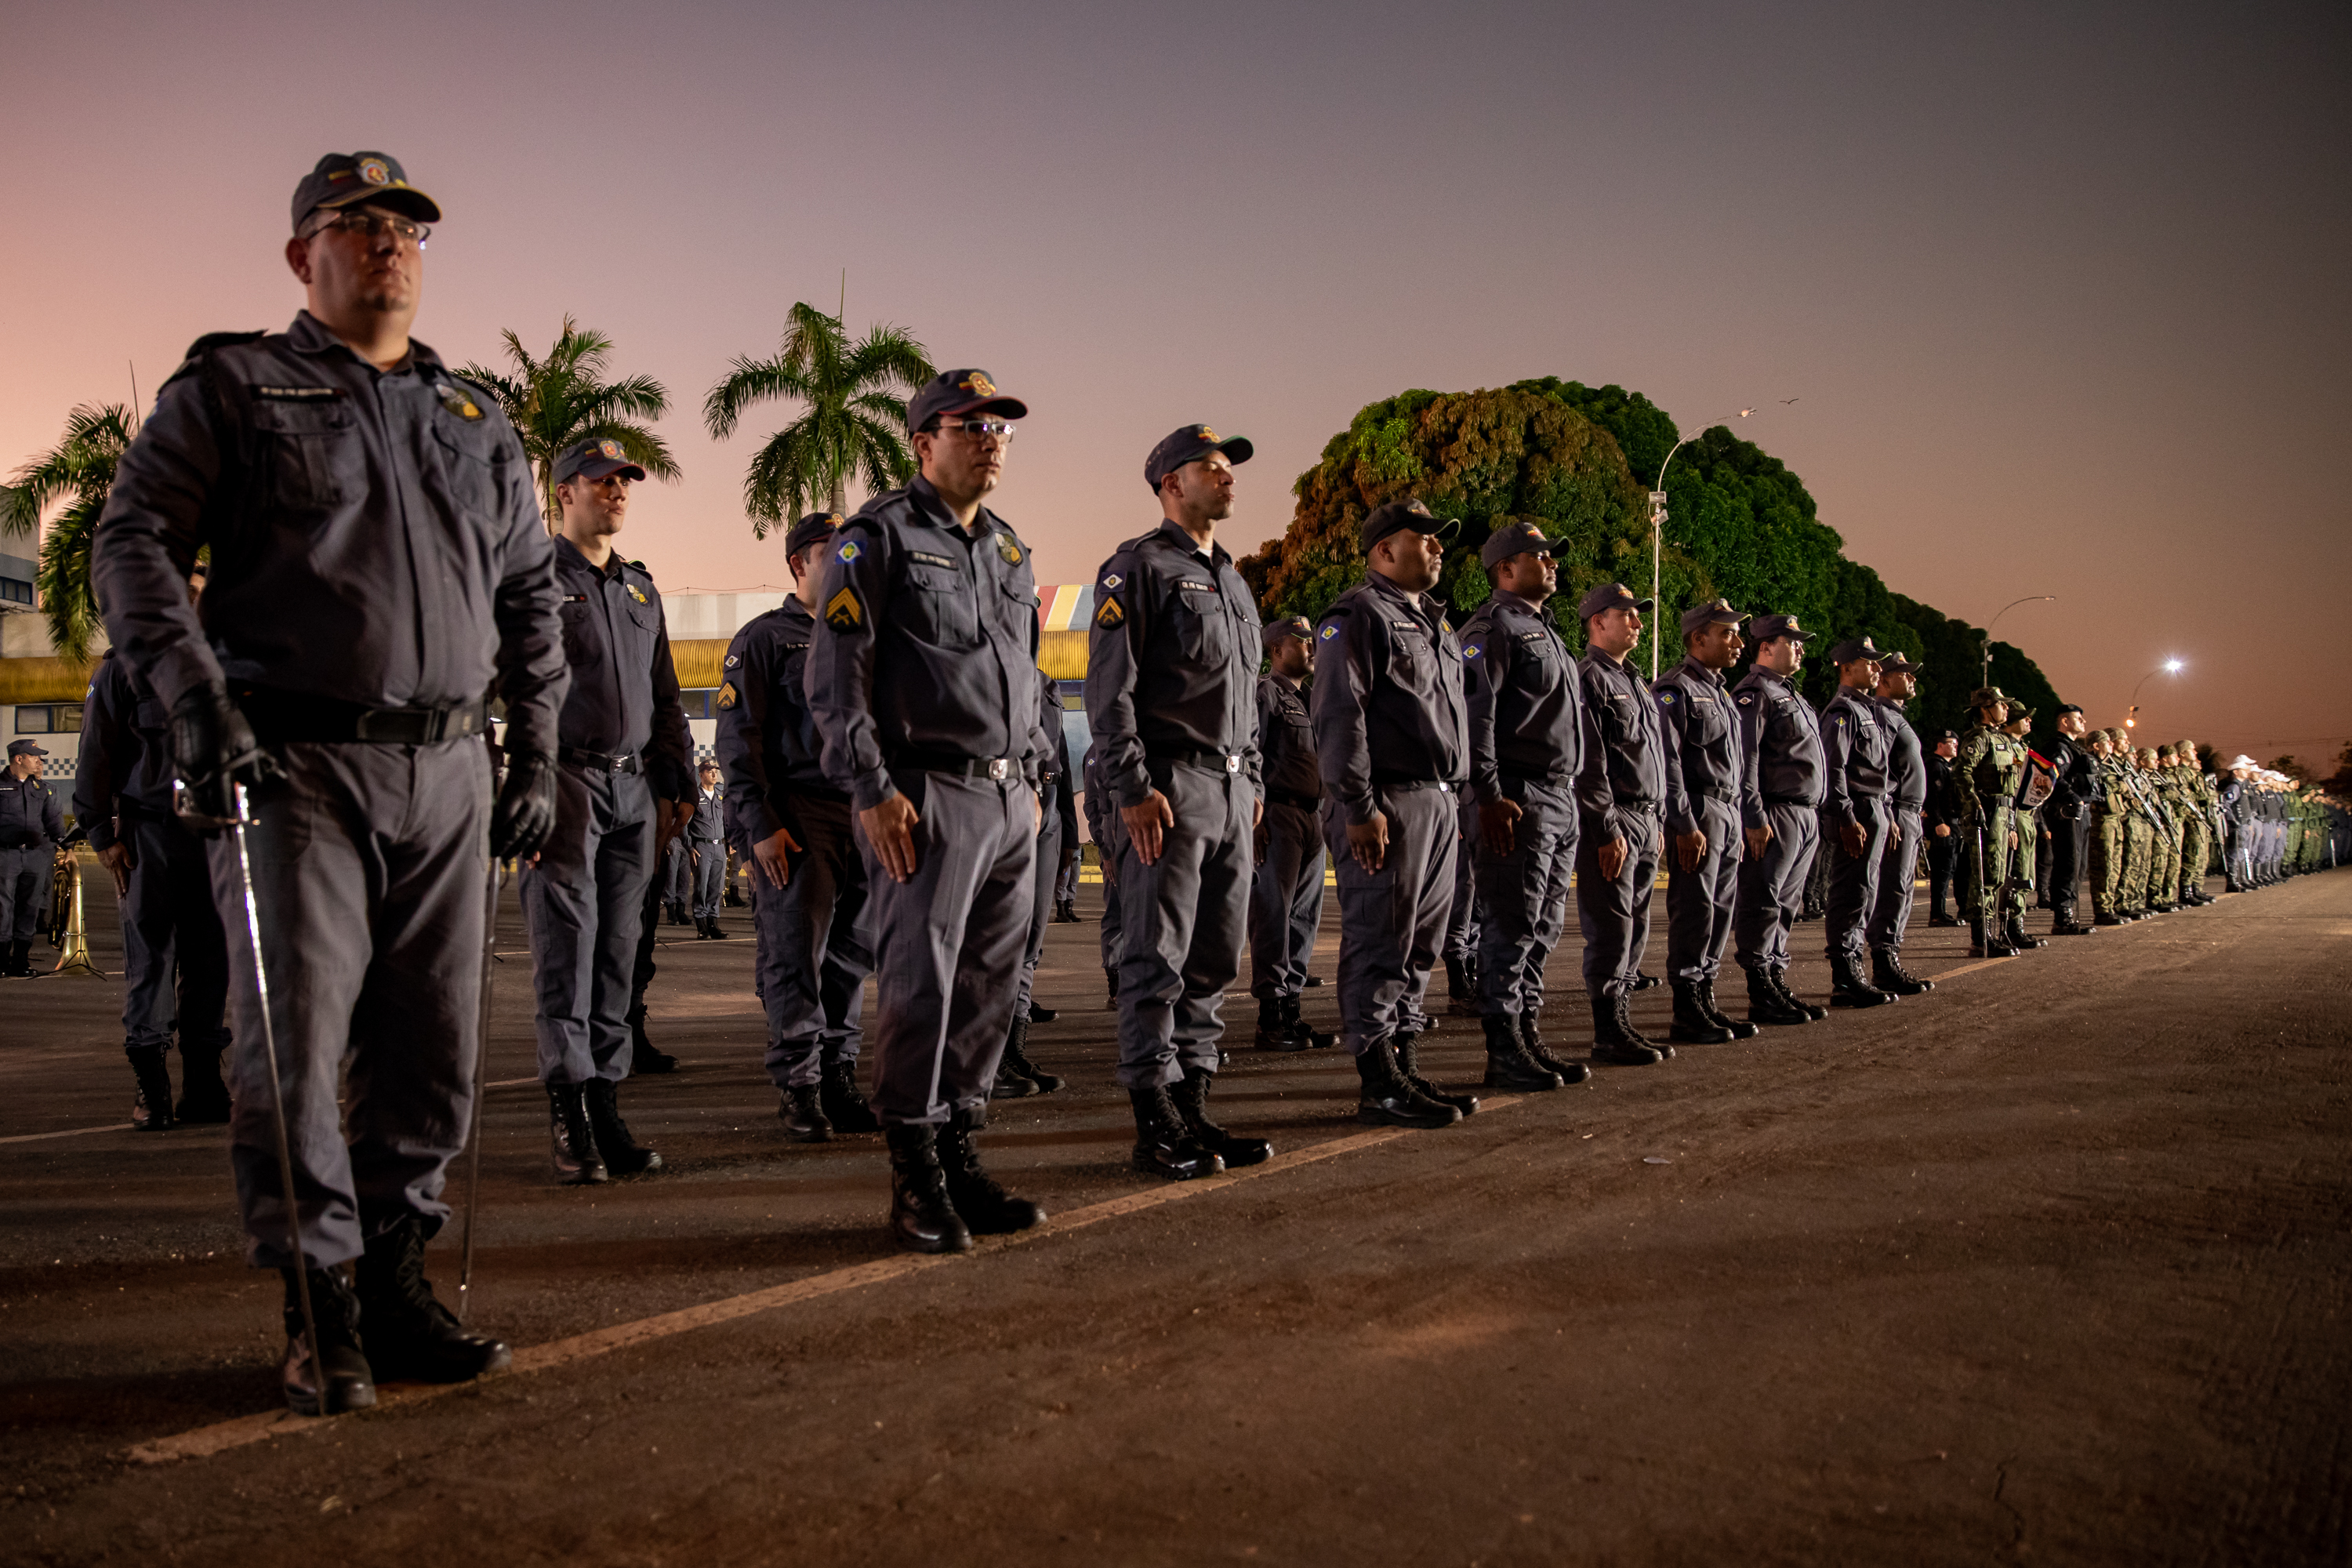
(375, 225)
(980, 429)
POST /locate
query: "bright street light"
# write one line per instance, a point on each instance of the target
(2169, 667)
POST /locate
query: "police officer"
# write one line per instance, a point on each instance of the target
(1907, 804)
(1391, 736)
(706, 846)
(122, 798)
(1780, 791)
(1286, 892)
(625, 755)
(1016, 1075)
(1171, 693)
(923, 680)
(812, 946)
(1699, 728)
(2076, 792)
(1943, 814)
(1527, 745)
(32, 827)
(378, 561)
(1621, 790)
(1853, 816)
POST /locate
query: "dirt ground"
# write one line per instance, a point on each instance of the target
(2051, 1264)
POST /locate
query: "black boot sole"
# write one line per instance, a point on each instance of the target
(1376, 1113)
(1514, 1080)
(930, 1246)
(1150, 1164)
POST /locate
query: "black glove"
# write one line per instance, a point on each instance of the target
(525, 814)
(214, 751)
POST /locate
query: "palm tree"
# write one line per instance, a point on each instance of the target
(81, 468)
(563, 398)
(852, 427)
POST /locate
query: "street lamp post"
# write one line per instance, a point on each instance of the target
(2028, 599)
(2169, 667)
(1658, 524)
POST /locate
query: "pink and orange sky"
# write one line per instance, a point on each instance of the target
(2061, 298)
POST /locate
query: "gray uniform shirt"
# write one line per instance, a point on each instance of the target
(926, 649)
(1624, 758)
(623, 699)
(1781, 746)
(1388, 701)
(1171, 663)
(767, 746)
(1525, 697)
(1698, 726)
(1853, 753)
(1285, 740)
(1907, 758)
(375, 536)
(29, 813)
(126, 752)
(709, 825)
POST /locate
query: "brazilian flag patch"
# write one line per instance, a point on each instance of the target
(1110, 615)
(843, 612)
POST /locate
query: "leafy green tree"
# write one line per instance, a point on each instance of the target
(556, 401)
(78, 470)
(852, 427)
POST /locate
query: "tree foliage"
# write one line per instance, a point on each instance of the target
(80, 471)
(563, 399)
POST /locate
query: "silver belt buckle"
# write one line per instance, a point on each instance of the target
(1444, 788)
(1232, 761)
(999, 767)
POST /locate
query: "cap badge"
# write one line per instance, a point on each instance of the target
(978, 385)
(834, 519)
(1417, 507)
(611, 449)
(374, 172)
(1204, 433)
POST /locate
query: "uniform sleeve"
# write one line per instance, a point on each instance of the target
(1751, 719)
(147, 539)
(1352, 647)
(1674, 713)
(534, 674)
(671, 749)
(1964, 773)
(1047, 752)
(741, 742)
(1485, 667)
(1596, 799)
(1837, 752)
(99, 772)
(851, 600)
(1124, 614)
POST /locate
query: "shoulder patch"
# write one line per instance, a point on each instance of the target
(1666, 694)
(1110, 615)
(733, 659)
(1112, 580)
(1469, 652)
(1330, 629)
(843, 612)
(1746, 697)
(848, 552)
(725, 698)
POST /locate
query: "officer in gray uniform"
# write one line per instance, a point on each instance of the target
(706, 845)
(923, 680)
(1287, 893)
(1527, 745)
(1906, 813)
(122, 798)
(1620, 791)
(1016, 1075)
(792, 824)
(1393, 738)
(625, 755)
(32, 827)
(1171, 693)
(1781, 789)
(1705, 766)
(1853, 816)
(378, 561)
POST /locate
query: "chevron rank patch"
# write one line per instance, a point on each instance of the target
(1110, 615)
(843, 612)
(725, 698)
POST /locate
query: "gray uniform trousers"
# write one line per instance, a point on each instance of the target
(813, 950)
(677, 876)
(709, 878)
(1041, 913)
(1699, 902)
(1614, 914)
(1183, 918)
(169, 922)
(1898, 867)
(1392, 920)
(584, 906)
(25, 889)
(371, 864)
(1286, 901)
(948, 943)
(1114, 939)
(1772, 886)
(1523, 896)
(1853, 879)
(1463, 916)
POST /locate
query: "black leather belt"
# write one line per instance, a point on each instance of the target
(280, 716)
(1790, 800)
(1215, 762)
(1406, 785)
(998, 768)
(601, 762)
(1296, 802)
(1549, 781)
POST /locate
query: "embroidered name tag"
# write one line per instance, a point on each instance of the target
(1190, 587)
(927, 559)
(298, 393)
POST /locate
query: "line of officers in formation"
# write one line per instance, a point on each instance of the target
(380, 571)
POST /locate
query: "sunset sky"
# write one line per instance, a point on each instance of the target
(2062, 302)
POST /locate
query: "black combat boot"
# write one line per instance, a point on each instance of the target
(349, 1383)
(1811, 1010)
(1692, 1027)
(1016, 1057)
(1531, 1041)
(1741, 1029)
(1848, 989)
(1309, 1039)
(1066, 911)
(1614, 1043)
(1886, 972)
(842, 1103)
(2015, 934)
(1508, 1066)
(922, 1217)
(623, 1155)
(203, 1097)
(410, 1334)
(1273, 1029)
(1461, 990)
(1164, 1146)
(1040, 1014)
(2111, 919)
(1406, 1050)
(151, 1112)
(1625, 1022)
(1983, 943)
(678, 915)
(645, 1058)
(980, 1200)
(1191, 1099)
(801, 1110)
(1765, 1005)
(1644, 982)
(712, 929)
(2069, 924)
(577, 1163)
(1388, 1099)
(20, 960)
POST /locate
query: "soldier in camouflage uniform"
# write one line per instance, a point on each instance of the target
(2026, 867)
(1986, 776)
(2139, 838)
(2107, 830)
(2164, 876)
(2196, 828)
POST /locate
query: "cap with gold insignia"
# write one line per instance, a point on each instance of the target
(595, 458)
(1406, 512)
(25, 749)
(960, 392)
(1611, 596)
(1764, 628)
(1282, 627)
(1714, 613)
(349, 179)
(1853, 650)
(1513, 538)
(1190, 444)
(814, 529)
(1896, 664)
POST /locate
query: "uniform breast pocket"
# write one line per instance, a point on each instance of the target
(1535, 669)
(939, 608)
(473, 468)
(576, 630)
(1203, 627)
(312, 452)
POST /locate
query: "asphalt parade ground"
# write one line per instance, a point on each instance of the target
(2051, 1264)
